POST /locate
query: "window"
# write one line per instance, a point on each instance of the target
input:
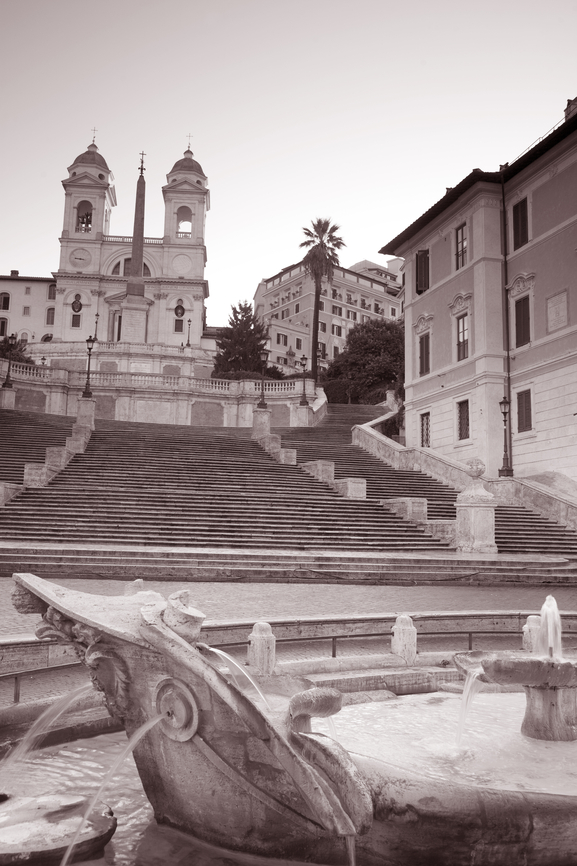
(27, 290)
(4, 301)
(393, 312)
(336, 331)
(50, 315)
(323, 327)
(422, 271)
(285, 313)
(520, 224)
(297, 308)
(321, 306)
(522, 322)
(461, 246)
(334, 294)
(322, 348)
(352, 314)
(463, 419)
(84, 219)
(336, 352)
(337, 311)
(126, 268)
(378, 309)
(298, 344)
(75, 320)
(24, 338)
(184, 222)
(349, 298)
(424, 355)
(365, 319)
(179, 326)
(524, 420)
(281, 360)
(52, 292)
(462, 337)
(3, 327)
(282, 340)
(25, 311)
(426, 430)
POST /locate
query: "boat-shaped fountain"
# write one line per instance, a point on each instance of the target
(248, 774)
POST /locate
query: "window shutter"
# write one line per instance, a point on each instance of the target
(424, 355)
(522, 322)
(422, 271)
(524, 420)
(520, 224)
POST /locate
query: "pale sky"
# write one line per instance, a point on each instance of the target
(363, 111)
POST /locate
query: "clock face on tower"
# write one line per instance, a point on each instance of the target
(80, 258)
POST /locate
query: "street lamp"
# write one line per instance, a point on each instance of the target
(43, 360)
(303, 363)
(506, 469)
(7, 383)
(96, 317)
(89, 345)
(188, 338)
(264, 358)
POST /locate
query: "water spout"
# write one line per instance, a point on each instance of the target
(42, 725)
(549, 637)
(133, 741)
(351, 851)
(240, 668)
(473, 685)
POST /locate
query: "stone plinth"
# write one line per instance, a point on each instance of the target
(85, 413)
(7, 398)
(262, 648)
(531, 631)
(134, 315)
(322, 470)
(7, 491)
(260, 423)
(57, 458)
(36, 475)
(413, 508)
(446, 530)
(475, 530)
(404, 639)
(271, 444)
(288, 456)
(351, 488)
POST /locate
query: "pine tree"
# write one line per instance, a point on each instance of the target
(18, 353)
(239, 346)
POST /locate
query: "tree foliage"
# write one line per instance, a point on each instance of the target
(372, 361)
(240, 344)
(322, 257)
(19, 355)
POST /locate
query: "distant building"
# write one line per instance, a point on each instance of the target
(491, 311)
(357, 294)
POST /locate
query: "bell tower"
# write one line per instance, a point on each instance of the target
(186, 202)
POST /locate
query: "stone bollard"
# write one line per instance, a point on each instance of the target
(531, 633)
(475, 531)
(260, 423)
(262, 648)
(322, 470)
(8, 490)
(404, 640)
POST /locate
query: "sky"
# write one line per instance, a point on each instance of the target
(362, 111)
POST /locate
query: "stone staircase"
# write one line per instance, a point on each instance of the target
(517, 529)
(24, 437)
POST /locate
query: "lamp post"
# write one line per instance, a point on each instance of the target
(188, 338)
(506, 469)
(7, 383)
(303, 363)
(96, 317)
(43, 360)
(89, 345)
(264, 358)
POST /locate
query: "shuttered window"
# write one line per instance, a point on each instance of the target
(462, 337)
(426, 430)
(463, 419)
(522, 322)
(520, 224)
(424, 355)
(524, 420)
(422, 271)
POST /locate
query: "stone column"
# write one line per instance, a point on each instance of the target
(260, 423)
(85, 413)
(262, 648)
(476, 514)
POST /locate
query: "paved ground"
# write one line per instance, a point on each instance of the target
(226, 602)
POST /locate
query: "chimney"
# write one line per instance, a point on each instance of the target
(14, 273)
(571, 108)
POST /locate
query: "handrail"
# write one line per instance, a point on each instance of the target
(18, 674)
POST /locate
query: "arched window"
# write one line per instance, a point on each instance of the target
(126, 268)
(52, 292)
(184, 222)
(84, 218)
(3, 327)
(50, 315)
(4, 301)
(47, 338)
(24, 338)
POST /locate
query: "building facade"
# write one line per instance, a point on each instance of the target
(491, 312)
(285, 303)
(88, 292)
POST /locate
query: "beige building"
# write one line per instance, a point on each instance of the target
(491, 311)
(358, 294)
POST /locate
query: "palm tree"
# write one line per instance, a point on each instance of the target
(323, 243)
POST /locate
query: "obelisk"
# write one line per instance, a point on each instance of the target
(135, 306)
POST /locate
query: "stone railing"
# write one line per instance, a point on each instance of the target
(29, 372)
(75, 349)
(124, 239)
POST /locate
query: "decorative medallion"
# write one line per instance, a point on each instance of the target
(423, 324)
(179, 311)
(76, 304)
(175, 701)
(181, 264)
(461, 304)
(80, 259)
(522, 284)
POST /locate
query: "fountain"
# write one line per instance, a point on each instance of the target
(234, 773)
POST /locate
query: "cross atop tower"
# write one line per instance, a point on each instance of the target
(189, 136)
(94, 131)
(142, 168)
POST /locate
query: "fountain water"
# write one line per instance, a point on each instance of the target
(224, 770)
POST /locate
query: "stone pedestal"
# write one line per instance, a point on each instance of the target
(7, 398)
(322, 470)
(85, 413)
(351, 488)
(413, 508)
(8, 490)
(475, 530)
(262, 648)
(404, 639)
(260, 423)
(531, 631)
(305, 416)
(134, 318)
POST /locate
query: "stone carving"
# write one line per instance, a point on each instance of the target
(423, 324)
(521, 284)
(461, 304)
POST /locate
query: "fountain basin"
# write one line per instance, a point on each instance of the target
(227, 770)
